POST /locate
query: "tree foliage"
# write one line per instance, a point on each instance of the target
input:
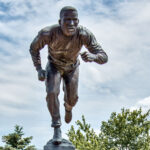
(15, 141)
(128, 130)
(85, 137)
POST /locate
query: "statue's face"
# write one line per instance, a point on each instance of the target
(69, 22)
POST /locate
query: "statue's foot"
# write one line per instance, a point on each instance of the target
(68, 116)
(57, 138)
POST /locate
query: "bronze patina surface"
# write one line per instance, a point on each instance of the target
(64, 41)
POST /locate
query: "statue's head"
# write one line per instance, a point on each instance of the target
(68, 20)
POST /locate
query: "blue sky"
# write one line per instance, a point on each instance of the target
(122, 29)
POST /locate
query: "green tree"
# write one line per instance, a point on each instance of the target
(84, 138)
(15, 141)
(128, 130)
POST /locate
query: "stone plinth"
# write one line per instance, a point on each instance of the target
(65, 145)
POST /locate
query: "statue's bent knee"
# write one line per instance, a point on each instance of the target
(71, 102)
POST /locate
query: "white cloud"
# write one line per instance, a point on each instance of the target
(143, 103)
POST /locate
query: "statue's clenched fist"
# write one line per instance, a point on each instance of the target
(41, 74)
(87, 57)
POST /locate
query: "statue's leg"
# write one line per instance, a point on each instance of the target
(53, 80)
(70, 86)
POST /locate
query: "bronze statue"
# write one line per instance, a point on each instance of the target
(64, 41)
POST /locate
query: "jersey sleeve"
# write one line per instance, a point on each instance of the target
(90, 42)
(37, 44)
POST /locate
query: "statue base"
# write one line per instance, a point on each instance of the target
(65, 145)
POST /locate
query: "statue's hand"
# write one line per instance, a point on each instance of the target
(88, 57)
(41, 74)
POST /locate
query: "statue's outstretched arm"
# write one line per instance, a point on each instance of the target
(97, 54)
(37, 44)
